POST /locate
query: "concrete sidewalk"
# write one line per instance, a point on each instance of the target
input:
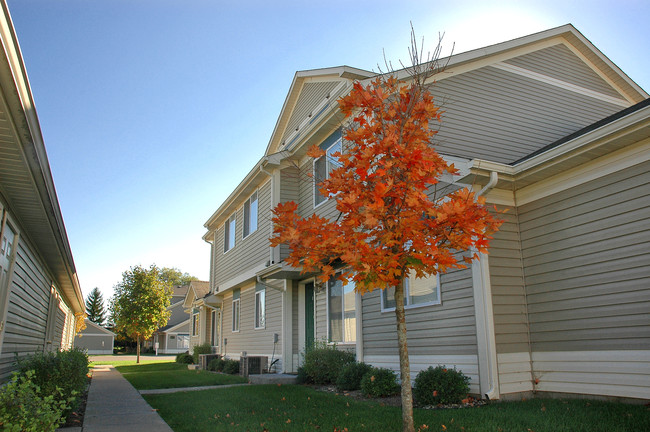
(115, 406)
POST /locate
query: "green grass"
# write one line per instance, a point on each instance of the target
(298, 408)
(118, 362)
(172, 375)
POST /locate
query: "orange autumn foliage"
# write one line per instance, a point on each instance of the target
(389, 224)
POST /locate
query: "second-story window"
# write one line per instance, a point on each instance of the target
(229, 236)
(250, 215)
(324, 165)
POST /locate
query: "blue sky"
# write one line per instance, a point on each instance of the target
(154, 110)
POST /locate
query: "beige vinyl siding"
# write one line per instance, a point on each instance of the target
(250, 251)
(253, 341)
(561, 63)
(306, 195)
(311, 95)
(587, 257)
(320, 312)
(500, 116)
(26, 321)
(294, 318)
(507, 281)
(290, 181)
(446, 329)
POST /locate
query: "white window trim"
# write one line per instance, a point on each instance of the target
(264, 307)
(327, 318)
(436, 302)
(257, 219)
(238, 302)
(230, 247)
(195, 331)
(327, 171)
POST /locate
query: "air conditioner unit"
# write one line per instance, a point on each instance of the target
(253, 365)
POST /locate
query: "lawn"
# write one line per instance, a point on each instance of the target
(172, 375)
(298, 408)
(118, 362)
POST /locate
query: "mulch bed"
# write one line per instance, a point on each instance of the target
(76, 417)
(396, 400)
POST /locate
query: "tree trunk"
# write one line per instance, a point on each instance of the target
(404, 366)
(137, 350)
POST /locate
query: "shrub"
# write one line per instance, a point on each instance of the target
(205, 348)
(184, 358)
(231, 367)
(61, 374)
(440, 385)
(24, 408)
(216, 365)
(351, 374)
(324, 363)
(301, 377)
(379, 382)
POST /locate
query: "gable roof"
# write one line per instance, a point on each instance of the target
(92, 327)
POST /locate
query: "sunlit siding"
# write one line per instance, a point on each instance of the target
(248, 252)
(501, 116)
(587, 259)
(253, 341)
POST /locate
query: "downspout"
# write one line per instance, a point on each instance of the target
(493, 391)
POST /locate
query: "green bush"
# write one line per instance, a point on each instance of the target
(24, 408)
(184, 358)
(205, 348)
(59, 374)
(216, 365)
(301, 377)
(351, 374)
(323, 363)
(440, 385)
(379, 382)
(231, 367)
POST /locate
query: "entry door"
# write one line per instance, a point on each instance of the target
(309, 315)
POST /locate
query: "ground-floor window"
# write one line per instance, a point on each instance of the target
(236, 306)
(260, 307)
(341, 314)
(417, 292)
(195, 322)
(182, 341)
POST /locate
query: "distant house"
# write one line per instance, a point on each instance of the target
(205, 314)
(174, 337)
(545, 126)
(95, 339)
(39, 289)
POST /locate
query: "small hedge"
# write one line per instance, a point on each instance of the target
(23, 407)
(440, 385)
(231, 367)
(351, 375)
(324, 363)
(216, 365)
(184, 358)
(205, 348)
(61, 374)
(379, 382)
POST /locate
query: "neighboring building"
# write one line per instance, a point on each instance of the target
(39, 289)
(174, 337)
(205, 316)
(95, 339)
(554, 132)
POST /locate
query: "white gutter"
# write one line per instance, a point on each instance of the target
(485, 312)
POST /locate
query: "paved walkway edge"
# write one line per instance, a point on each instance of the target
(187, 389)
(115, 406)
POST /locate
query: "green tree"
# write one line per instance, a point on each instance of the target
(95, 307)
(174, 276)
(139, 305)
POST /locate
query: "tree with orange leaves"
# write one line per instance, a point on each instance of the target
(391, 223)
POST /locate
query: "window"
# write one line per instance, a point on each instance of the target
(342, 319)
(235, 310)
(183, 341)
(417, 292)
(260, 307)
(229, 236)
(250, 215)
(195, 322)
(325, 164)
(214, 337)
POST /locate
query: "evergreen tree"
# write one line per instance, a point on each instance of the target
(95, 307)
